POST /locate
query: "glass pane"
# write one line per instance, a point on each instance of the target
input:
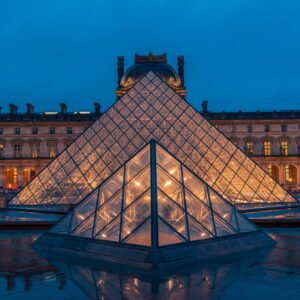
(111, 232)
(137, 186)
(135, 214)
(168, 162)
(224, 210)
(192, 183)
(142, 236)
(85, 229)
(222, 228)
(107, 212)
(111, 186)
(197, 232)
(135, 165)
(169, 186)
(199, 211)
(167, 236)
(172, 214)
(84, 209)
(62, 226)
(244, 224)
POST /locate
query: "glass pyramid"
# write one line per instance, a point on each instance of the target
(151, 110)
(153, 200)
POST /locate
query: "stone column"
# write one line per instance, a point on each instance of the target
(281, 174)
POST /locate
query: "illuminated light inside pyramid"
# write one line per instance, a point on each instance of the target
(153, 200)
(151, 110)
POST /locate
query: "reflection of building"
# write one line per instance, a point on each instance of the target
(29, 140)
(272, 139)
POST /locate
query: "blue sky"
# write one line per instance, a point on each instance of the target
(240, 55)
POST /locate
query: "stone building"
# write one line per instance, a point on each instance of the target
(29, 140)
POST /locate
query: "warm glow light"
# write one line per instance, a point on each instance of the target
(169, 182)
(172, 171)
(137, 183)
(203, 234)
(135, 281)
(225, 215)
(103, 235)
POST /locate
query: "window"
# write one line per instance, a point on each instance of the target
(284, 128)
(290, 173)
(17, 150)
(1, 150)
(233, 128)
(250, 129)
(267, 148)
(11, 178)
(69, 130)
(250, 147)
(28, 175)
(284, 147)
(267, 128)
(35, 150)
(1, 130)
(52, 149)
(17, 131)
(273, 171)
(34, 130)
(52, 130)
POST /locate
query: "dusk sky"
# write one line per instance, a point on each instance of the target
(240, 55)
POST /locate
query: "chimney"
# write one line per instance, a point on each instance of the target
(181, 68)
(30, 108)
(63, 108)
(204, 107)
(13, 109)
(97, 109)
(120, 68)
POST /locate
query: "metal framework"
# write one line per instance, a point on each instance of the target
(153, 200)
(151, 110)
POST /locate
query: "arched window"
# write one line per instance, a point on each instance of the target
(28, 175)
(290, 175)
(11, 178)
(273, 171)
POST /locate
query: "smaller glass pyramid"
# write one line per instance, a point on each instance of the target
(153, 200)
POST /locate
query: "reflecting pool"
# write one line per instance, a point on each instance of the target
(272, 273)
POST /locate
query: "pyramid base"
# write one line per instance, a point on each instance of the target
(166, 257)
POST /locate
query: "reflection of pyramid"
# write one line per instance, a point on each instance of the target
(152, 201)
(151, 110)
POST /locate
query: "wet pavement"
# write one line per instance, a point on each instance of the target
(272, 273)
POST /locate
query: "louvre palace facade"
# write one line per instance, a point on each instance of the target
(30, 140)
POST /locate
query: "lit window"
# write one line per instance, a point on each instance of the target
(11, 178)
(69, 130)
(17, 130)
(290, 175)
(28, 175)
(267, 128)
(35, 150)
(52, 130)
(284, 147)
(267, 149)
(52, 149)
(2, 150)
(34, 130)
(250, 147)
(273, 171)
(17, 150)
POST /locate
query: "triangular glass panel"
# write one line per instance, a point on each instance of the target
(169, 186)
(84, 209)
(199, 211)
(197, 232)
(85, 228)
(224, 209)
(223, 228)
(110, 232)
(142, 236)
(244, 224)
(138, 185)
(167, 236)
(172, 214)
(108, 211)
(136, 213)
(62, 227)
